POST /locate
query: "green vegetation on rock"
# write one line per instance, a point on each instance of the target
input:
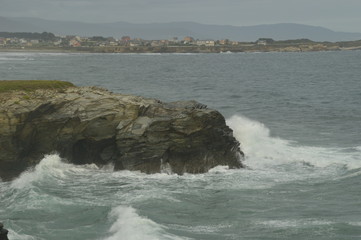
(32, 85)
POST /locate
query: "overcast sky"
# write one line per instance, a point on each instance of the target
(338, 15)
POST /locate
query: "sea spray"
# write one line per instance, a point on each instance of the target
(129, 225)
(18, 236)
(50, 164)
(263, 150)
(51, 168)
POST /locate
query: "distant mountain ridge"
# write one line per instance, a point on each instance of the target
(150, 31)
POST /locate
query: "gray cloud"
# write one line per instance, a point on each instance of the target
(334, 14)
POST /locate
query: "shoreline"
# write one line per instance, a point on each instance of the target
(188, 49)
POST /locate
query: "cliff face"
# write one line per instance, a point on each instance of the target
(91, 125)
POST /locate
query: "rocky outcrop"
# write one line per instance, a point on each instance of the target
(92, 125)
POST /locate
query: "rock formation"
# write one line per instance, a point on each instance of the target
(92, 125)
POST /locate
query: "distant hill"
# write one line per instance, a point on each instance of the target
(10, 25)
(283, 31)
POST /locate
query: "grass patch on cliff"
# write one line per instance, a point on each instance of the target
(32, 85)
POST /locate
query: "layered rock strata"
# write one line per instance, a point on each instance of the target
(92, 125)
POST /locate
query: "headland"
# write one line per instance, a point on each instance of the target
(86, 125)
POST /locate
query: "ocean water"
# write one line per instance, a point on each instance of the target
(297, 116)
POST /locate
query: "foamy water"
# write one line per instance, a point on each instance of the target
(297, 117)
(121, 199)
(263, 150)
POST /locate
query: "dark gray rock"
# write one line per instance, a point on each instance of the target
(92, 125)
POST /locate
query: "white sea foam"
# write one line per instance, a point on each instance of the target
(18, 236)
(272, 161)
(15, 59)
(219, 169)
(202, 229)
(358, 148)
(263, 150)
(16, 56)
(29, 56)
(38, 172)
(357, 224)
(295, 223)
(131, 226)
(51, 166)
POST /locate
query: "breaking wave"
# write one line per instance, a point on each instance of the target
(263, 150)
(131, 226)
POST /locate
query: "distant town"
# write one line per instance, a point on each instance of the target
(49, 42)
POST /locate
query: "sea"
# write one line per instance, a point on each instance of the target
(296, 115)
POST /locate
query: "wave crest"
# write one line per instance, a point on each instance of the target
(129, 225)
(262, 150)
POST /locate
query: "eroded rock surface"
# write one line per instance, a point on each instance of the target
(92, 125)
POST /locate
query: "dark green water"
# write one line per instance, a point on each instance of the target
(297, 116)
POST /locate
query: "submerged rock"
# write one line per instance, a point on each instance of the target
(92, 125)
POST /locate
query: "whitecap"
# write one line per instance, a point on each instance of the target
(356, 224)
(51, 168)
(18, 236)
(128, 224)
(39, 171)
(295, 223)
(264, 151)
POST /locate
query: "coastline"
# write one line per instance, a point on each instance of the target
(317, 47)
